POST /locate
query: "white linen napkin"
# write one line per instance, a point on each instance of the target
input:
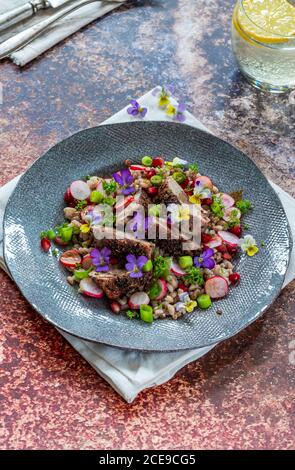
(55, 33)
(131, 372)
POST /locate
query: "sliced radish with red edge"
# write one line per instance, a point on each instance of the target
(80, 190)
(137, 299)
(214, 242)
(164, 289)
(229, 237)
(70, 259)
(176, 269)
(227, 200)
(89, 288)
(216, 287)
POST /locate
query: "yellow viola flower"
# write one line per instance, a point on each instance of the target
(195, 199)
(164, 101)
(85, 228)
(249, 245)
(252, 250)
(189, 306)
(171, 110)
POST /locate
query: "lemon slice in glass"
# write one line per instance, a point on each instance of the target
(267, 21)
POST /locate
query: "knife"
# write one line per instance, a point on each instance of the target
(23, 38)
(30, 9)
(27, 10)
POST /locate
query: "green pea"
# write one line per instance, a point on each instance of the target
(147, 161)
(66, 233)
(156, 180)
(146, 313)
(154, 290)
(185, 262)
(179, 177)
(96, 197)
(148, 266)
(204, 301)
(51, 234)
(80, 274)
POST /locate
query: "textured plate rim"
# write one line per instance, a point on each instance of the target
(216, 340)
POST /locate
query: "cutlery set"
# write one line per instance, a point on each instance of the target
(32, 8)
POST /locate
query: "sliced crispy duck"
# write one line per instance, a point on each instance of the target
(123, 243)
(117, 283)
(171, 193)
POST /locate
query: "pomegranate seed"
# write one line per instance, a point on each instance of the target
(150, 173)
(221, 248)
(227, 256)
(68, 196)
(206, 238)
(45, 244)
(60, 242)
(237, 230)
(158, 161)
(185, 183)
(207, 202)
(232, 249)
(234, 278)
(115, 306)
(153, 191)
(182, 287)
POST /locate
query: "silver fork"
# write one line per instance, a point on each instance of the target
(24, 38)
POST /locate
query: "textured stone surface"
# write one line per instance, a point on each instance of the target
(241, 395)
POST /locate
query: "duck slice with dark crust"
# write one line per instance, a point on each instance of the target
(171, 193)
(117, 283)
(121, 243)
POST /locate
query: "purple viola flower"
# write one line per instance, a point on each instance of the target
(135, 265)
(179, 116)
(167, 90)
(101, 259)
(205, 260)
(94, 219)
(176, 111)
(136, 110)
(125, 179)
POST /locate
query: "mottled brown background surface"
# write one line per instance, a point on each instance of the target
(241, 395)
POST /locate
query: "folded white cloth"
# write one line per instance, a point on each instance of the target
(131, 372)
(55, 33)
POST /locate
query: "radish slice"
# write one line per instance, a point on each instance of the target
(80, 190)
(214, 242)
(216, 287)
(177, 270)
(227, 200)
(89, 288)
(123, 202)
(228, 212)
(229, 237)
(86, 262)
(137, 299)
(164, 289)
(139, 168)
(70, 258)
(205, 181)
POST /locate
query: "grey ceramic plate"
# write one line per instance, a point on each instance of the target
(37, 203)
